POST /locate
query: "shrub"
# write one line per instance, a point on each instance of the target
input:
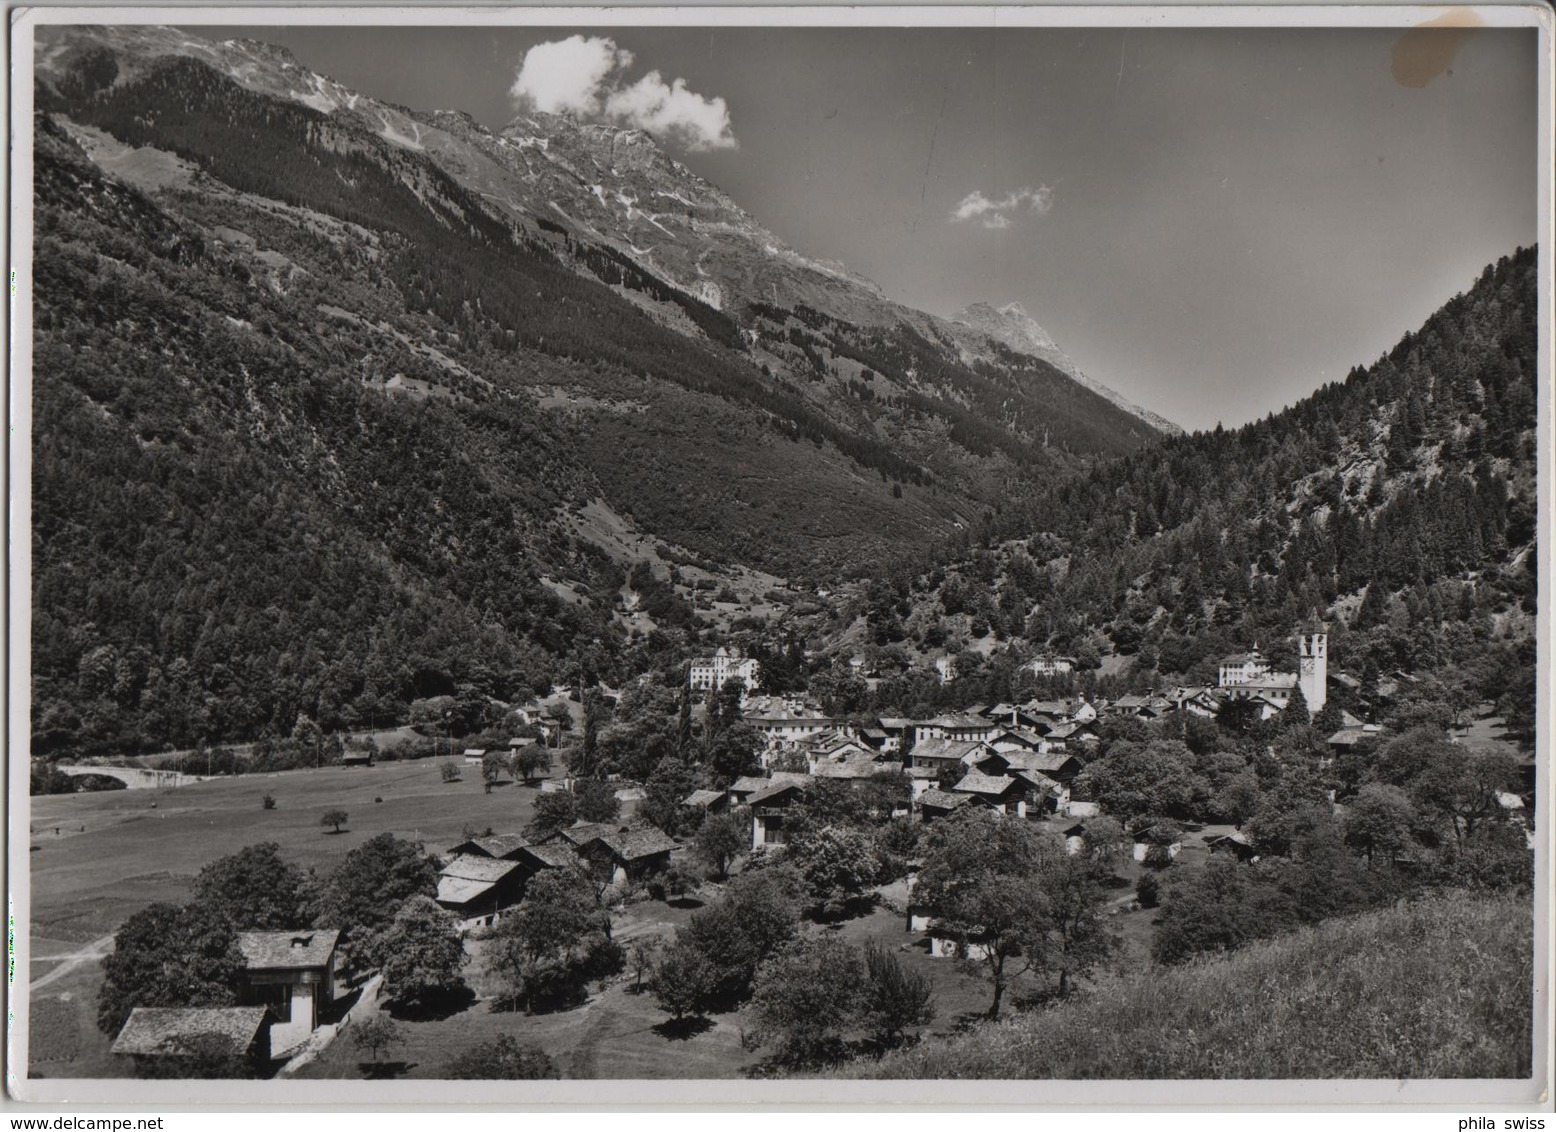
(503, 1059)
(268, 802)
(1148, 890)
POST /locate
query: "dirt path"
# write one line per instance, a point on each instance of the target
(92, 952)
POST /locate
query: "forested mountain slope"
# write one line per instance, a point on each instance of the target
(1400, 503)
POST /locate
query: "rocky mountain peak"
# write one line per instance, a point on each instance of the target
(1009, 324)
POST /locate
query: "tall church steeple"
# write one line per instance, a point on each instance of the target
(1313, 664)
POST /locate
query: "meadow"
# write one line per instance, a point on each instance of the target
(1437, 988)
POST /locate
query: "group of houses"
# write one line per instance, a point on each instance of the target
(287, 983)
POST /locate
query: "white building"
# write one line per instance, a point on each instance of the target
(709, 673)
(1052, 665)
(1244, 668)
(945, 669)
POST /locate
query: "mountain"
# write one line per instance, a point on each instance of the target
(1400, 503)
(1015, 328)
(610, 205)
(337, 405)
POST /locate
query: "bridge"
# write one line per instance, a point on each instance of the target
(133, 777)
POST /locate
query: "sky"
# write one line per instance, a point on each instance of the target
(1213, 222)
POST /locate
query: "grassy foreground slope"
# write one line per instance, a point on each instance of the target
(1435, 989)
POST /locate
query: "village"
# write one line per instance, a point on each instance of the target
(576, 890)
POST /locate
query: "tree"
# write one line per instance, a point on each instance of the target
(1208, 910)
(334, 819)
(684, 981)
(366, 891)
(1461, 787)
(1378, 821)
(894, 999)
(980, 881)
(423, 952)
(839, 866)
(256, 889)
(640, 958)
(492, 767)
(723, 837)
(167, 955)
(1296, 713)
(807, 994)
(529, 761)
(502, 1059)
(758, 915)
(561, 719)
(554, 810)
(557, 940)
(597, 800)
(1138, 779)
(732, 751)
(671, 781)
(376, 1034)
(1076, 939)
(449, 772)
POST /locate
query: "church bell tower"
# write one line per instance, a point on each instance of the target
(1313, 666)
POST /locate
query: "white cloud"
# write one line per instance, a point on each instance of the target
(587, 79)
(999, 213)
(565, 76)
(696, 122)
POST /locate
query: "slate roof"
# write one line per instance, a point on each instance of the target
(756, 783)
(1038, 779)
(858, 766)
(975, 783)
(702, 798)
(959, 722)
(554, 855)
(504, 846)
(946, 750)
(158, 1029)
(478, 868)
(921, 772)
(637, 843)
(776, 790)
(582, 832)
(1048, 762)
(940, 800)
(295, 950)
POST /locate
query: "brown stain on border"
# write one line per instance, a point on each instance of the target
(1427, 50)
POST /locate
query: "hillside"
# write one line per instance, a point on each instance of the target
(333, 401)
(1400, 503)
(1436, 989)
(647, 270)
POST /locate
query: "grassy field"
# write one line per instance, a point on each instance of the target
(101, 857)
(1435, 989)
